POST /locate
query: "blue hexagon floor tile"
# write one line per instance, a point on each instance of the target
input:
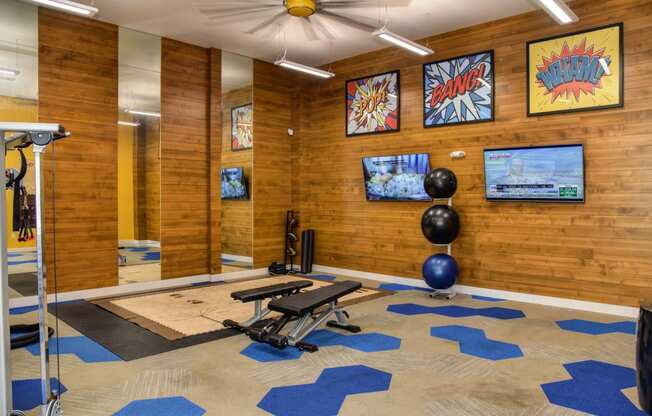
(474, 342)
(598, 328)
(325, 396)
(595, 388)
(87, 350)
(27, 393)
(166, 406)
(369, 342)
(454, 311)
(396, 287)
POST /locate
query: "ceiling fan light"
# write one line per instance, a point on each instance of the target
(304, 68)
(559, 10)
(301, 8)
(68, 6)
(402, 42)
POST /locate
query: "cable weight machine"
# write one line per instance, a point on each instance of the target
(15, 136)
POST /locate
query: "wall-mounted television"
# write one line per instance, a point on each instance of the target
(542, 173)
(396, 178)
(234, 184)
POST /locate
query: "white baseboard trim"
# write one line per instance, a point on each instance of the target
(626, 311)
(104, 292)
(227, 277)
(135, 288)
(139, 243)
(236, 257)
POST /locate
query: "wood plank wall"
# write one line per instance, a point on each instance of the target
(237, 216)
(597, 251)
(215, 110)
(275, 95)
(185, 158)
(78, 87)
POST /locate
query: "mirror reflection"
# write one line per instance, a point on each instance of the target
(19, 103)
(139, 165)
(237, 158)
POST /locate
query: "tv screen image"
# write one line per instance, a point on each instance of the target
(544, 173)
(396, 178)
(234, 185)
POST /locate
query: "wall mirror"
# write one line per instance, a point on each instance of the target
(238, 140)
(139, 165)
(19, 103)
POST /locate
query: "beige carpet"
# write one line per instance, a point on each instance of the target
(181, 313)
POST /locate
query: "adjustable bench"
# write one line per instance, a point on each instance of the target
(259, 294)
(304, 308)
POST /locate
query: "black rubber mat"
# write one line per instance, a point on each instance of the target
(123, 338)
(24, 283)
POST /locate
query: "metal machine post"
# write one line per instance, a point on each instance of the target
(5, 342)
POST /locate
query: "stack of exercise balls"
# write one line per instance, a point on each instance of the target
(440, 224)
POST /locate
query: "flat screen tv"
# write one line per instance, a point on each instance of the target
(234, 184)
(396, 178)
(544, 173)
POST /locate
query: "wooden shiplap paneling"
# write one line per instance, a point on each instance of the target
(275, 95)
(597, 251)
(215, 133)
(185, 154)
(237, 216)
(78, 87)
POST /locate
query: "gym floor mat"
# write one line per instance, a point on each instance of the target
(193, 311)
(24, 283)
(122, 337)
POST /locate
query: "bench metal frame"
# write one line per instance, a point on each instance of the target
(308, 323)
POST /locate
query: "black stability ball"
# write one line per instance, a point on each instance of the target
(440, 224)
(440, 183)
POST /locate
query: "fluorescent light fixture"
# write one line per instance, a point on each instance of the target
(303, 68)
(559, 10)
(402, 42)
(144, 113)
(68, 6)
(128, 123)
(9, 72)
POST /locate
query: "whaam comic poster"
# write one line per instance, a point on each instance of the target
(242, 131)
(373, 104)
(459, 90)
(576, 72)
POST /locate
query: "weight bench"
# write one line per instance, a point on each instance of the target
(259, 294)
(303, 308)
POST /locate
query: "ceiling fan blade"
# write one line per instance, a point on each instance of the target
(220, 10)
(231, 15)
(347, 21)
(308, 29)
(315, 20)
(268, 22)
(342, 4)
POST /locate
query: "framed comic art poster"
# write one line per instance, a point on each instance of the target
(576, 72)
(373, 104)
(459, 90)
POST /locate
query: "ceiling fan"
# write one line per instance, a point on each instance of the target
(307, 12)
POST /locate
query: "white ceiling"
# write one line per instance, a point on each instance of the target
(182, 20)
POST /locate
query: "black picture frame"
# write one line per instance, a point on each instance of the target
(233, 110)
(621, 95)
(493, 90)
(398, 105)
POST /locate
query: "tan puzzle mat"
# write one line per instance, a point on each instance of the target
(181, 313)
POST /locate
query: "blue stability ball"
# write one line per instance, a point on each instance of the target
(440, 271)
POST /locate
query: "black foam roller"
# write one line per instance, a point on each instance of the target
(307, 250)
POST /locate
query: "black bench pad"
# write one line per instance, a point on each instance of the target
(265, 292)
(305, 302)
